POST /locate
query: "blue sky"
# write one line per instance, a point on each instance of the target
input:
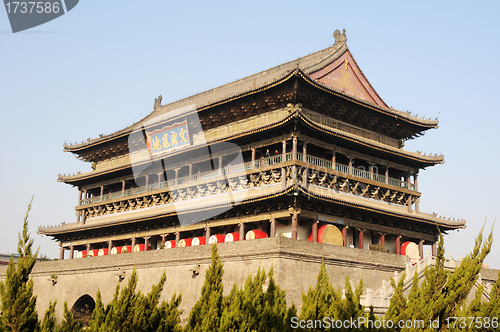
(99, 67)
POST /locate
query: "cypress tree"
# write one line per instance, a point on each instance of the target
(16, 292)
(119, 316)
(169, 316)
(442, 294)
(253, 309)
(397, 305)
(317, 303)
(276, 316)
(492, 307)
(98, 315)
(49, 320)
(252, 302)
(69, 324)
(207, 311)
(231, 311)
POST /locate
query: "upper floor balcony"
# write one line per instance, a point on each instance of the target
(301, 159)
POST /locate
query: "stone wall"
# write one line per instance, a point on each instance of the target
(296, 264)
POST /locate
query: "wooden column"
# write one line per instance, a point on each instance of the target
(177, 238)
(283, 178)
(315, 232)
(360, 239)
(294, 148)
(132, 244)
(421, 249)
(350, 165)
(163, 236)
(176, 170)
(386, 174)
(333, 160)
(408, 181)
(159, 180)
(110, 246)
(84, 216)
(242, 231)
(220, 165)
(146, 242)
(410, 199)
(305, 174)
(190, 172)
(295, 225)
(273, 227)
(71, 252)
(88, 248)
(253, 158)
(398, 245)
(123, 188)
(207, 234)
(102, 191)
(147, 181)
(61, 253)
(434, 249)
(283, 151)
(382, 240)
(417, 199)
(78, 215)
(371, 171)
(344, 236)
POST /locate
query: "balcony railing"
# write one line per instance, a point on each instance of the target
(276, 159)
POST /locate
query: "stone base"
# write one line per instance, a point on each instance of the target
(296, 265)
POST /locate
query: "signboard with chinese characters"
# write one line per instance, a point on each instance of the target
(168, 139)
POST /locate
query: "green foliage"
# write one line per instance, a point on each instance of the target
(398, 304)
(49, 320)
(317, 303)
(99, 314)
(491, 308)
(69, 324)
(323, 301)
(253, 309)
(16, 292)
(131, 311)
(442, 294)
(207, 311)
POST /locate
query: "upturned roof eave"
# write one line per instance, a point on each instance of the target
(254, 83)
(424, 160)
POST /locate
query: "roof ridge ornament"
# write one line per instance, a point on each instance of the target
(158, 102)
(340, 38)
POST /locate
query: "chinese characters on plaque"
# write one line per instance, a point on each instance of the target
(167, 139)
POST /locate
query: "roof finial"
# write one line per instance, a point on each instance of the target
(158, 102)
(340, 38)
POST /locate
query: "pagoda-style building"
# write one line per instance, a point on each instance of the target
(306, 150)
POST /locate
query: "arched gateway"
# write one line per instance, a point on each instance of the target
(83, 308)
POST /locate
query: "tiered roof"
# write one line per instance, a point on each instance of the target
(328, 81)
